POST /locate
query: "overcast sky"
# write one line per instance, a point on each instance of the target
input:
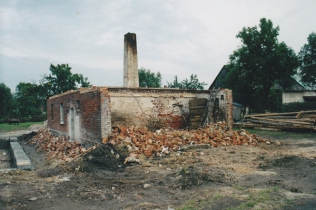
(173, 37)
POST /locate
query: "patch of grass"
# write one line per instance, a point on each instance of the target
(183, 171)
(217, 196)
(5, 127)
(283, 134)
(200, 202)
(288, 201)
(237, 187)
(255, 198)
(250, 204)
(190, 205)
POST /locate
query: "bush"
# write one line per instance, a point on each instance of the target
(298, 106)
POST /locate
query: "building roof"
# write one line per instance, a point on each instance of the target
(216, 83)
(298, 79)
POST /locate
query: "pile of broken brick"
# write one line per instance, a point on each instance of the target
(164, 141)
(142, 141)
(58, 147)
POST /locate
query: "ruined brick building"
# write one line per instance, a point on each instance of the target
(88, 114)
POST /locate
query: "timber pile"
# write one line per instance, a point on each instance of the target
(142, 141)
(304, 120)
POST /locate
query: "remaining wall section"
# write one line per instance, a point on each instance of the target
(78, 114)
(296, 96)
(87, 115)
(221, 109)
(152, 107)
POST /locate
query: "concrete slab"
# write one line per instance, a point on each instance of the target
(21, 160)
(13, 139)
(24, 165)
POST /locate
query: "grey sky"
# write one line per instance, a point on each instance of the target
(174, 37)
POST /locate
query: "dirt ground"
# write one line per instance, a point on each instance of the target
(281, 175)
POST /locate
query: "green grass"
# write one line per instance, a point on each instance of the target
(190, 205)
(255, 198)
(283, 134)
(5, 127)
(237, 187)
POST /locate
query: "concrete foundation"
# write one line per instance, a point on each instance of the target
(20, 159)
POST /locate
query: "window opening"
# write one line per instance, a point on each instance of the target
(61, 107)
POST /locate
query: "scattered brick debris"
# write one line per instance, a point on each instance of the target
(57, 147)
(164, 141)
(142, 141)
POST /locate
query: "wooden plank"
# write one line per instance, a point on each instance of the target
(272, 114)
(281, 117)
(283, 121)
(308, 116)
(265, 123)
(281, 114)
(250, 125)
(299, 115)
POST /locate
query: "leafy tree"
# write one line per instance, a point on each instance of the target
(307, 58)
(61, 80)
(29, 102)
(258, 65)
(31, 97)
(6, 101)
(149, 79)
(192, 84)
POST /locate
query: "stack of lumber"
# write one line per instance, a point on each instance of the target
(303, 120)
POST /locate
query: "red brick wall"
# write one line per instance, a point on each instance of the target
(87, 109)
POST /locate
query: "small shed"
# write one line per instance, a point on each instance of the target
(237, 111)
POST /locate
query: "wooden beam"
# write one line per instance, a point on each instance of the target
(282, 121)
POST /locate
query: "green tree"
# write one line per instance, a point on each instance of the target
(258, 65)
(149, 79)
(28, 100)
(31, 98)
(61, 80)
(192, 84)
(6, 101)
(307, 58)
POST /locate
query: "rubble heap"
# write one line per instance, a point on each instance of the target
(57, 147)
(163, 141)
(143, 141)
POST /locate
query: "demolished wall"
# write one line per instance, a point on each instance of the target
(88, 114)
(144, 106)
(77, 114)
(221, 108)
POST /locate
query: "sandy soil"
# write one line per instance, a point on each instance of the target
(277, 176)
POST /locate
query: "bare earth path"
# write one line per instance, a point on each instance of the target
(277, 176)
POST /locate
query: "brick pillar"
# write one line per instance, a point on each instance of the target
(229, 107)
(130, 61)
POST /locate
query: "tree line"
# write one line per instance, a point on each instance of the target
(29, 99)
(255, 71)
(262, 67)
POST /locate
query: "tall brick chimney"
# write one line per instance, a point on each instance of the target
(130, 61)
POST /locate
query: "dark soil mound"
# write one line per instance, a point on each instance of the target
(107, 156)
(288, 162)
(192, 177)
